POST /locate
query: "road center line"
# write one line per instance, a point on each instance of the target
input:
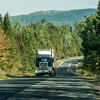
(69, 65)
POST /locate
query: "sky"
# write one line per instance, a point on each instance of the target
(21, 7)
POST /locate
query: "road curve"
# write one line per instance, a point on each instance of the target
(68, 68)
(66, 85)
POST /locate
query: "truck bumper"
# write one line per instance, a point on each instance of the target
(43, 71)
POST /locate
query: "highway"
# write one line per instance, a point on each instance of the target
(66, 85)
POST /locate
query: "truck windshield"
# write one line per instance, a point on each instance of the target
(43, 59)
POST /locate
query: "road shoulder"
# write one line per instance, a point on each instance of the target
(95, 85)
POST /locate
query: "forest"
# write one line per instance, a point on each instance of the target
(18, 43)
(56, 17)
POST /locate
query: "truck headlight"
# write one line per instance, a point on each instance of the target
(36, 69)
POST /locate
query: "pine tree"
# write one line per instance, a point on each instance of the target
(1, 20)
(7, 24)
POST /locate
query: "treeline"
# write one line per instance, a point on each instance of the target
(18, 44)
(89, 31)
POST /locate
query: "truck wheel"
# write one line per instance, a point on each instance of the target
(42, 74)
(37, 74)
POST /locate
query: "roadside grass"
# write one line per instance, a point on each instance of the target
(13, 73)
(4, 78)
(93, 79)
(86, 73)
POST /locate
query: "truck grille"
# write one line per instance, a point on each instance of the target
(43, 66)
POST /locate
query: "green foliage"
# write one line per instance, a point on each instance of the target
(91, 42)
(1, 25)
(0, 18)
(36, 36)
(43, 21)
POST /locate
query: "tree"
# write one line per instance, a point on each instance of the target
(0, 18)
(7, 24)
(98, 20)
(43, 21)
(17, 28)
(1, 24)
(4, 49)
(79, 27)
(8, 59)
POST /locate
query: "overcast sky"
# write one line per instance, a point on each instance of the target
(18, 7)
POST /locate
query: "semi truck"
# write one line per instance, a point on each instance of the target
(45, 62)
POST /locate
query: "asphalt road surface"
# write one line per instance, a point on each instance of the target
(66, 85)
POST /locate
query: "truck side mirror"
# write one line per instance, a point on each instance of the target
(34, 60)
(52, 59)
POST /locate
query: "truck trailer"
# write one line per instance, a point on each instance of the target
(45, 62)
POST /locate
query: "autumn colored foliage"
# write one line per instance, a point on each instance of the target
(7, 59)
(4, 49)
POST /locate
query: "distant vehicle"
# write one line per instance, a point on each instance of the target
(45, 62)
